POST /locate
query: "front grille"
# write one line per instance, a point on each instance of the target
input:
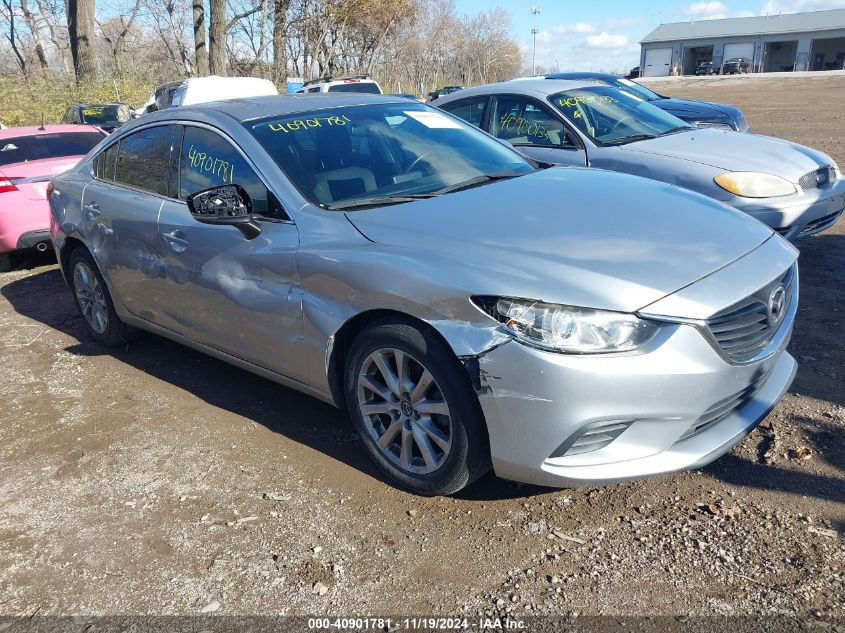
(745, 329)
(819, 178)
(714, 126)
(723, 409)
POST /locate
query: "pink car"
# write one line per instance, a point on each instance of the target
(29, 158)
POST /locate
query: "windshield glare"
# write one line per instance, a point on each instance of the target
(638, 90)
(611, 117)
(372, 151)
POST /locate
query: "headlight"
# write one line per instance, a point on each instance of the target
(749, 184)
(566, 328)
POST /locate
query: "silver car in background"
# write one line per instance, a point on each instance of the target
(796, 190)
(564, 326)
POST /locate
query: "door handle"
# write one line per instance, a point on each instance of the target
(176, 240)
(92, 210)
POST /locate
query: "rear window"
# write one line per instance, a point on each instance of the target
(105, 115)
(41, 146)
(358, 86)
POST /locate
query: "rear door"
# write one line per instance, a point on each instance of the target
(234, 294)
(120, 210)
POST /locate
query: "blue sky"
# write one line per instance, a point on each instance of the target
(604, 35)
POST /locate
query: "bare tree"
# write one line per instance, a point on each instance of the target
(200, 48)
(115, 32)
(12, 36)
(80, 16)
(280, 25)
(31, 24)
(220, 26)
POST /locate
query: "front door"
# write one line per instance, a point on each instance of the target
(237, 295)
(536, 131)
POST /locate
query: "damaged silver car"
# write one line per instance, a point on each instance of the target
(469, 308)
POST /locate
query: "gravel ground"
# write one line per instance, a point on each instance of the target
(157, 481)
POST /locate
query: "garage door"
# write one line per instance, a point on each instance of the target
(658, 62)
(739, 50)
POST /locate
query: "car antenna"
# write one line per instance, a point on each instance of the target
(42, 122)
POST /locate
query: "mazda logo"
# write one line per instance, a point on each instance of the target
(777, 305)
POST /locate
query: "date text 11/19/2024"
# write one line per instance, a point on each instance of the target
(417, 624)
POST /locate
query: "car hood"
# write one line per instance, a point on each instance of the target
(689, 108)
(735, 152)
(567, 235)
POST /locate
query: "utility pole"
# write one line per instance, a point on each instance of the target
(535, 11)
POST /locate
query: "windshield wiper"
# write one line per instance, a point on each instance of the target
(376, 201)
(478, 180)
(622, 140)
(675, 130)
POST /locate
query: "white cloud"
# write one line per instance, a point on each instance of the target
(606, 40)
(712, 10)
(579, 27)
(771, 7)
(630, 22)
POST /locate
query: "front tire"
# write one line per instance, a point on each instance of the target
(414, 407)
(94, 301)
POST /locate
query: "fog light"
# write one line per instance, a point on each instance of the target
(592, 437)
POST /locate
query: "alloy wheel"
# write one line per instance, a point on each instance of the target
(404, 410)
(91, 298)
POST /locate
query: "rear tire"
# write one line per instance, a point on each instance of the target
(5, 262)
(414, 407)
(94, 301)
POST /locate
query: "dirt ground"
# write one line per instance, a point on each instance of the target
(155, 480)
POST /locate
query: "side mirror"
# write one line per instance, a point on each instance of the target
(229, 204)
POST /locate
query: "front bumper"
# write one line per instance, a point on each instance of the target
(683, 401)
(800, 215)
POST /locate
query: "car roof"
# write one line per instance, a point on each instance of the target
(539, 87)
(249, 108)
(582, 75)
(96, 103)
(33, 130)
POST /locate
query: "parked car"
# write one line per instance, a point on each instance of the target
(204, 89)
(698, 113)
(468, 309)
(354, 83)
(442, 92)
(106, 116)
(794, 189)
(736, 65)
(706, 68)
(634, 73)
(29, 158)
(407, 95)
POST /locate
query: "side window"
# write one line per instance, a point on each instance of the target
(105, 162)
(143, 159)
(66, 118)
(209, 160)
(317, 89)
(521, 121)
(470, 110)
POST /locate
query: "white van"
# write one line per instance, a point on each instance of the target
(355, 83)
(204, 89)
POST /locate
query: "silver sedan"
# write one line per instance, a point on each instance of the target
(796, 190)
(468, 309)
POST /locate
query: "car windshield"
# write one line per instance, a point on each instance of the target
(356, 86)
(370, 155)
(105, 114)
(613, 117)
(40, 146)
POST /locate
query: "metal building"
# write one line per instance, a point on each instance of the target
(813, 40)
